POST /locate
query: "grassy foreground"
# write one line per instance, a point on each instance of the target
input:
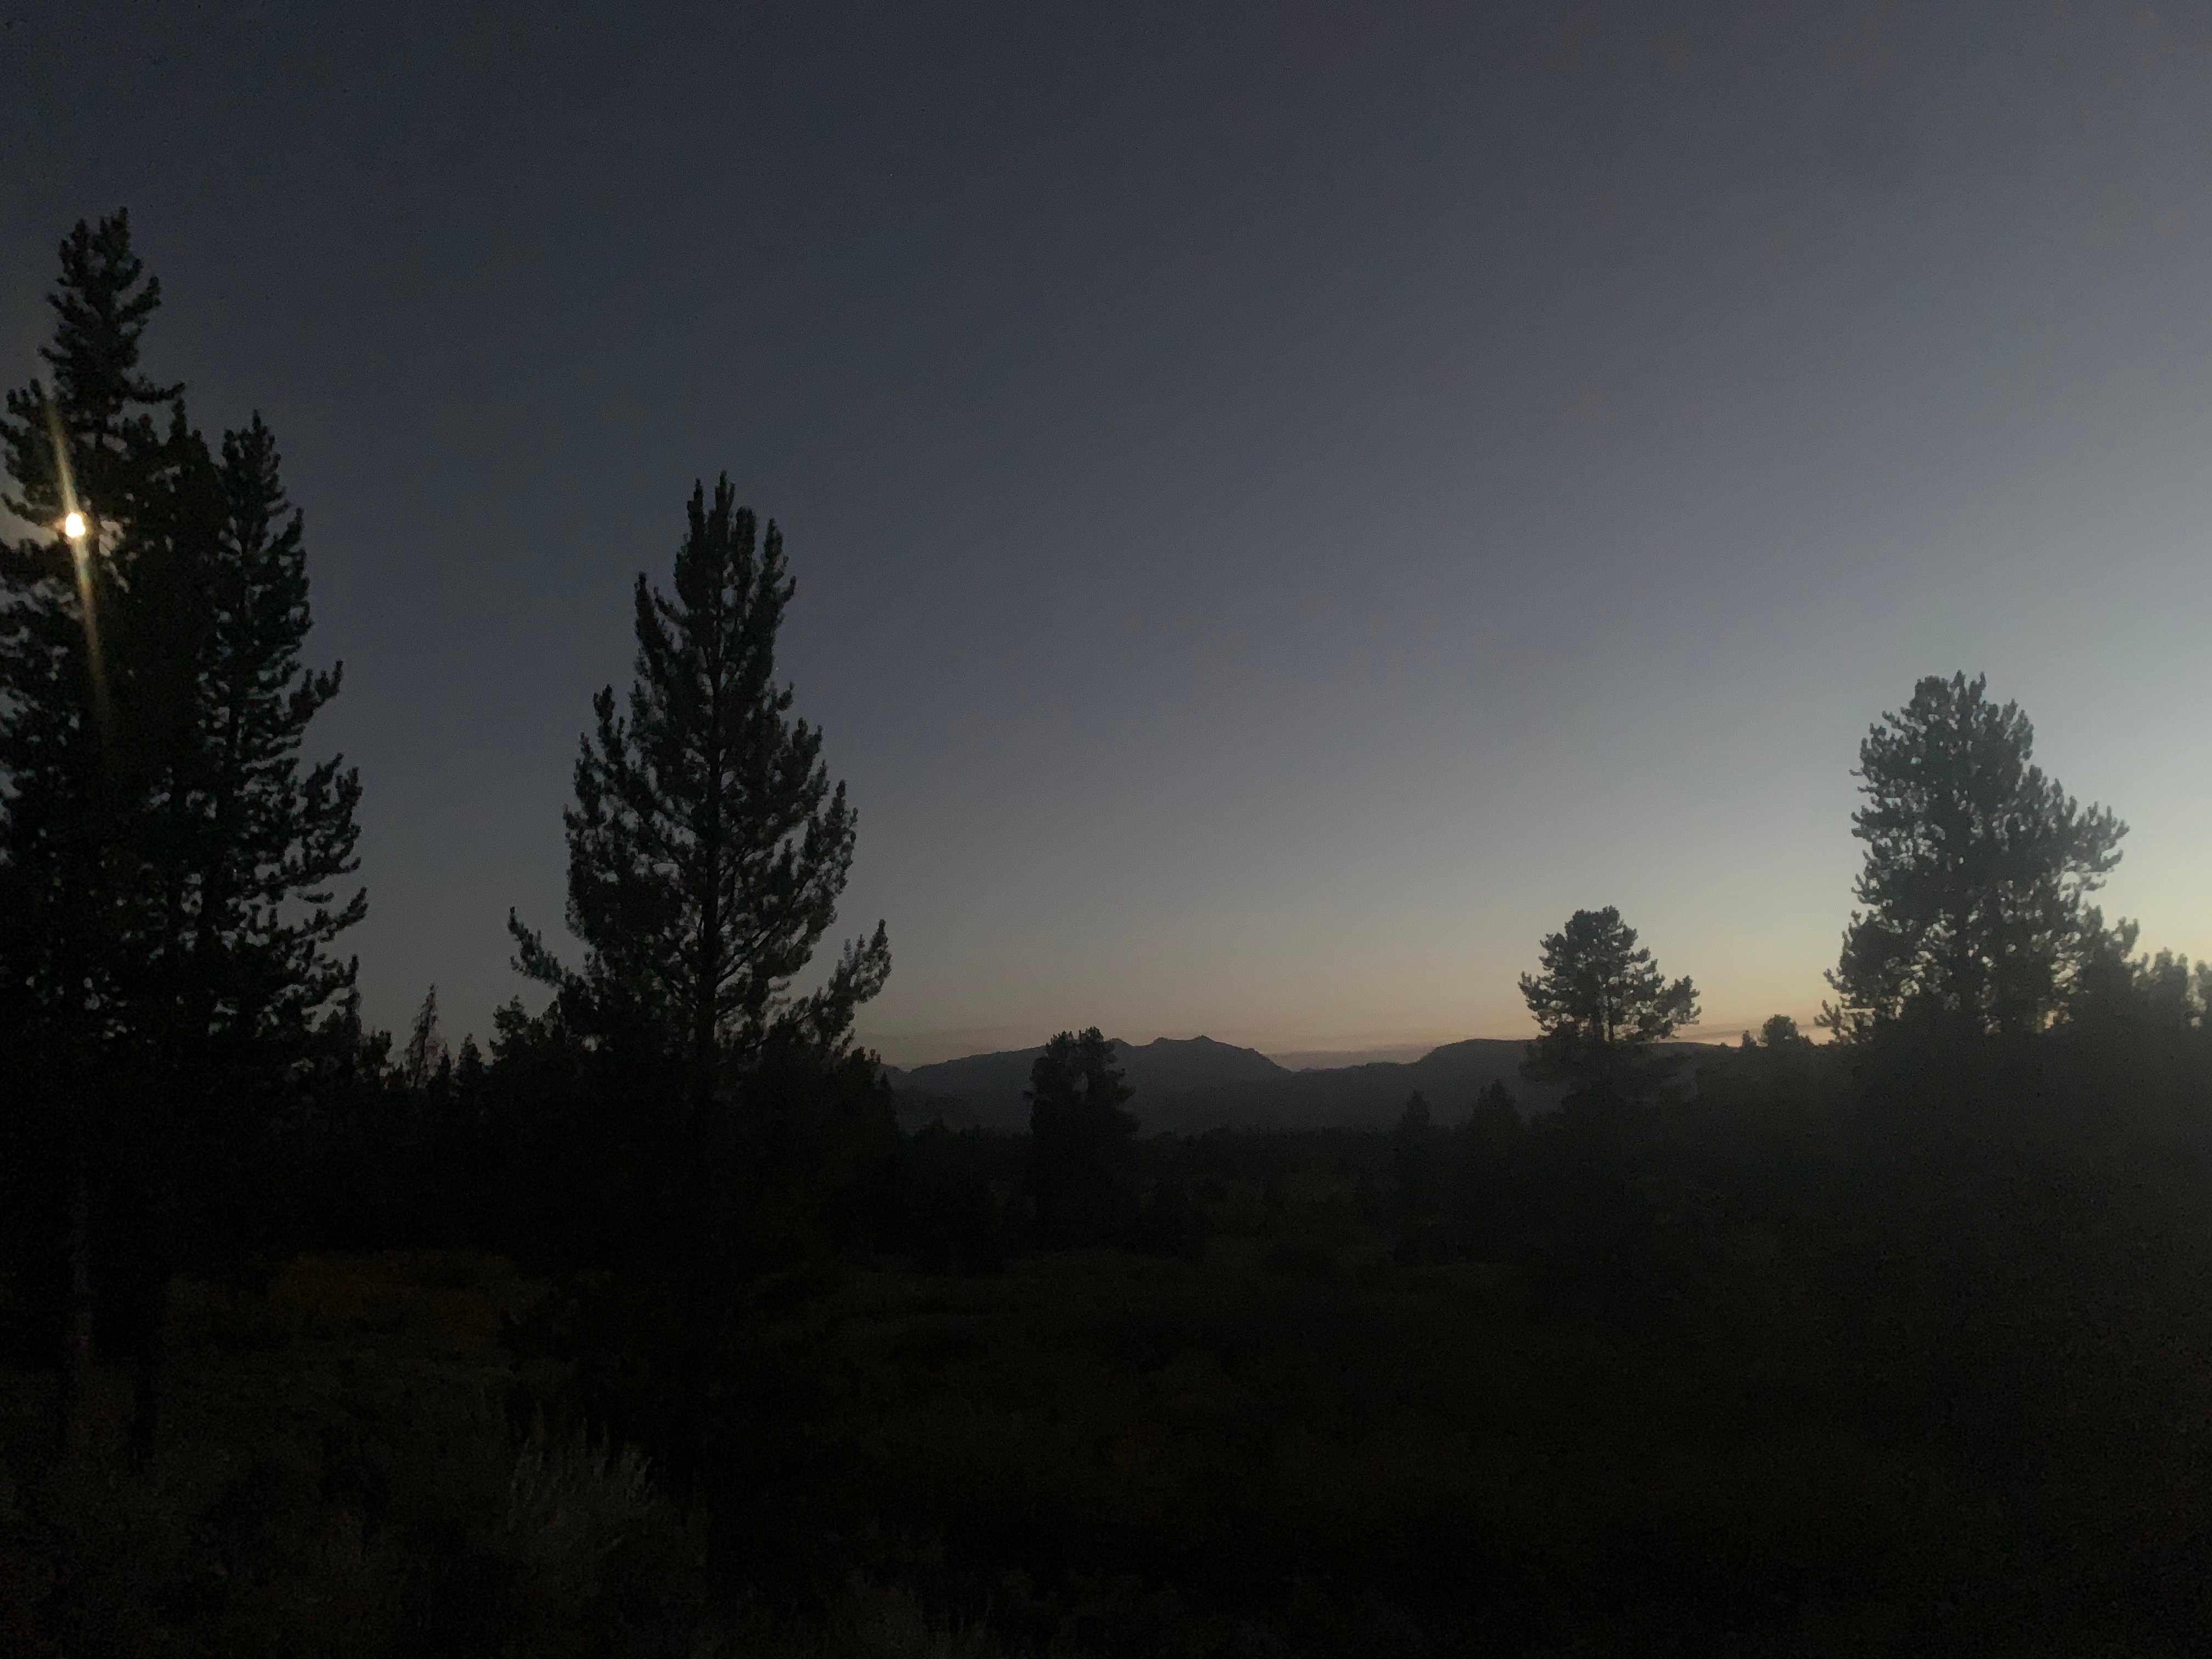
(1320, 1436)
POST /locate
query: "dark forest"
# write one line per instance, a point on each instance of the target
(671, 1321)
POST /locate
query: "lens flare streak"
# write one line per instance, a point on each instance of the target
(75, 529)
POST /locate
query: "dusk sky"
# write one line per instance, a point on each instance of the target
(1288, 501)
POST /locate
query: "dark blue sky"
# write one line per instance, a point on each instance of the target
(1288, 501)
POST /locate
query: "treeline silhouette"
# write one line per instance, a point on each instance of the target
(644, 1328)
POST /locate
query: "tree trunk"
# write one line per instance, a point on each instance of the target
(696, 1296)
(138, 1281)
(706, 994)
(146, 1370)
(698, 1289)
(76, 1356)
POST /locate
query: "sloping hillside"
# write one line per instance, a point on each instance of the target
(1349, 1097)
(988, 1088)
(1199, 1084)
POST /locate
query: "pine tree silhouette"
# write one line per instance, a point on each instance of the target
(164, 862)
(708, 850)
(1977, 874)
(1601, 1003)
(1079, 1141)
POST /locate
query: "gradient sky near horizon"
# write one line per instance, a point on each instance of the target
(1288, 501)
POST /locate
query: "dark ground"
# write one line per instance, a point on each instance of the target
(1749, 1379)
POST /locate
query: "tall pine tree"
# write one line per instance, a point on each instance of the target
(1601, 1006)
(73, 767)
(707, 853)
(1977, 871)
(1081, 1141)
(96, 436)
(166, 864)
(255, 840)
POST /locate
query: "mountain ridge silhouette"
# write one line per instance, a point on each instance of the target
(1194, 1084)
(988, 1088)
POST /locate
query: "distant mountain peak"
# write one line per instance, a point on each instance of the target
(991, 1085)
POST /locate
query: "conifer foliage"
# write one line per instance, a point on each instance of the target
(425, 1059)
(262, 838)
(71, 781)
(180, 825)
(707, 853)
(1601, 1003)
(1081, 1140)
(1977, 876)
(707, 847)
(168, 866)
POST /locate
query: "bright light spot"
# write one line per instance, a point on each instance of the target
(73, 526)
